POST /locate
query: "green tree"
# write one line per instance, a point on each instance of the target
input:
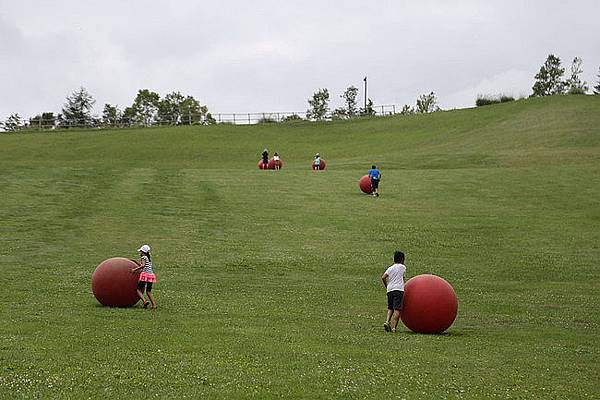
(548, 80)
(177, 109)
(368, 111)
(574, 83)
(292, 118)
(407, 110)
(127, 117)
(427, 103)
(46, 120)
(170, 109)
(597, 87)
(339, 113)
(111, 115)
(145, 107)
(319, 105)
(13, 123)
(77, 111)
(193, 113)
(349, 98)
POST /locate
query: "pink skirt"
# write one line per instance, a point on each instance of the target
(147, 277)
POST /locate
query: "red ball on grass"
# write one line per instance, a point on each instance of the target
(114, 284)
(429, 305)
(272, 164)
(262, 165)
(322, 165)
(365, 184)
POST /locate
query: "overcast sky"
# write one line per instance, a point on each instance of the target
(263, 56)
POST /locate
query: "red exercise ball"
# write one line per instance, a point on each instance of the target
(262, 165)
(365, 184)
(114, 284)
(322, 165)
(272, 164)
(429, 305)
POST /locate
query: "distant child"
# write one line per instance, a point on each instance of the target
(317, 162)
(375, 176)
(393, 280)
(265, 157)
(276, 161)
(147, 277)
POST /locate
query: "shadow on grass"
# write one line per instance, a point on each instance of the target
(447, 334)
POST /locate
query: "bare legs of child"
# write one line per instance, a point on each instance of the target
(391, 322)
(151, 297)
(142, 298)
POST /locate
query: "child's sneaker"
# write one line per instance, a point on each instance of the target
(386, 327)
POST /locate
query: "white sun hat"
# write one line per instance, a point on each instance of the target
(145, 248)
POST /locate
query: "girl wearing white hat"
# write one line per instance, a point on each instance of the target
(147, 277)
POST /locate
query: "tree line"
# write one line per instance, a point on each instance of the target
(147, 109)
(319, 106)
(550, 80)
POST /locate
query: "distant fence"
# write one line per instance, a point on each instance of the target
(255, 118)
(37, 123)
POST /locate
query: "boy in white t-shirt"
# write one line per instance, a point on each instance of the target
(393, 280)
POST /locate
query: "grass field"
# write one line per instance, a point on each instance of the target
(269, 283)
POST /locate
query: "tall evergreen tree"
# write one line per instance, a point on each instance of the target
(13, 123)
(548, 80)
(77, 111)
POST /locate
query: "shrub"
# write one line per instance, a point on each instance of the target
(487, 100)
(576, 90)
(267, 120)
(292, 118)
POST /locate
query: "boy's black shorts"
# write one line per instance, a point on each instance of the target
(374, 183)
(144, 285)
(395, 299)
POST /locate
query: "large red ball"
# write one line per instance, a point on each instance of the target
(262, 165)
(429, 305)
(365, 184)
(322, 165)
(272, 164)
(114, 284)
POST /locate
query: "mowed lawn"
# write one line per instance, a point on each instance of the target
(269, 282)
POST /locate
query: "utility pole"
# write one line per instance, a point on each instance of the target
(365, 93)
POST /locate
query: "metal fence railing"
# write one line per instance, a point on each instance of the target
(54, 123)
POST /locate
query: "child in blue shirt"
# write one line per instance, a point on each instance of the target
(375, 176)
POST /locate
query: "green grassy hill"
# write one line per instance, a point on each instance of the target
(269, 282)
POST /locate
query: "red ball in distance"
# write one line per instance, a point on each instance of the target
(272, 164)
(114, 284)
(262, 165)
(429, 305)
(365, 184)
(322, 165)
